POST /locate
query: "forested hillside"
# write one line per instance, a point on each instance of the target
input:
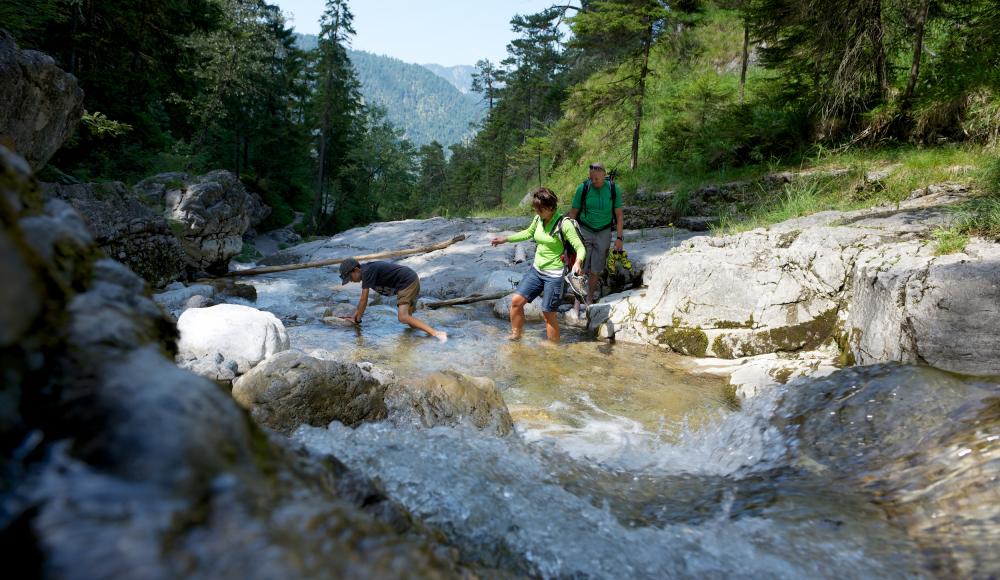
(459, 75)
(427, 107)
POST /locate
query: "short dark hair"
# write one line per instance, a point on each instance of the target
(543, 198)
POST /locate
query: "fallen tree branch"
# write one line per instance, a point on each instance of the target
(468, 299)
(321, 263)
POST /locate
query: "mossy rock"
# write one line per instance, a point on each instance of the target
(689, 341)
(804, 336)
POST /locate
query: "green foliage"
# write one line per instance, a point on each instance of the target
(101, 126)
(248, 254)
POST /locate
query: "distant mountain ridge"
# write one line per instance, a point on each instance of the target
(426, 106)
(459, 75)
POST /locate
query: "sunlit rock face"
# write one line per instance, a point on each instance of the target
(866, 281)
(40, 105)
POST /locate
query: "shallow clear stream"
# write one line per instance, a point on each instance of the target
(625, 465)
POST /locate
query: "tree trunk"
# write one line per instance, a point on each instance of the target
(647, 45)
(876, 34)
(334, 261)
(745, 61)
(320, 181)
(918, 48)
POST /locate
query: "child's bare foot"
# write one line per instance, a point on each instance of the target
(442, 336)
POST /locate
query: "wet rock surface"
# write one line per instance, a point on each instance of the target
(292, 388)
(450, 399)
(40, 105)
(924, 442)
(117, 462)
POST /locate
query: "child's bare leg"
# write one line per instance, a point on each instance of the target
(404, 316)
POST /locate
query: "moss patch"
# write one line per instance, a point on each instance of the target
(806, 335)
(689, 341)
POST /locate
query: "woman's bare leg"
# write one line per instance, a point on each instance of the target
(517, 316)
(551, 326)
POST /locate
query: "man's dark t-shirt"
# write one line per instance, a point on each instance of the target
(386, 278)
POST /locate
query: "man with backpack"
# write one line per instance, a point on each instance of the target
(597, 207)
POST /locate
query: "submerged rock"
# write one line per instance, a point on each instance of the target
(292, 388)
(450, 398)
(240, 333)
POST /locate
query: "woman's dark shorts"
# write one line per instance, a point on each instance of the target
(549, 288)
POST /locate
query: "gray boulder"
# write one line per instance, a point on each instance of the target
(40, 105)
(450, 398)
(911, 306)
(292, 388)
(125, 229)
(208, 213)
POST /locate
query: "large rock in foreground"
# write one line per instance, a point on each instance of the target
(209, 214)
(125, 229)
(451, 399)
(292, 388)
(118, 464)
(239, 333)
(40, 105)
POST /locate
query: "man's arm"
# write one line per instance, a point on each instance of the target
(362, 304)
(620, 220)
(574, 213)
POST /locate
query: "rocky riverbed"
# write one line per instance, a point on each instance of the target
(308, 448)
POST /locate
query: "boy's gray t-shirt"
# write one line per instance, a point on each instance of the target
(386, 278)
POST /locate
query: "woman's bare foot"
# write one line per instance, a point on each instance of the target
(513, 336)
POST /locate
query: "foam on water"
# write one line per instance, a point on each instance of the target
(505, 504)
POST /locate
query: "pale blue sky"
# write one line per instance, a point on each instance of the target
(446, 32)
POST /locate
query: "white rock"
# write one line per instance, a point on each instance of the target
(239, 333)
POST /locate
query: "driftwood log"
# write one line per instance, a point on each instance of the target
(321, 263)
(467, 299)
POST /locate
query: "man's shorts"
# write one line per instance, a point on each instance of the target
(597, 245)
(549, 288)
(409, 295)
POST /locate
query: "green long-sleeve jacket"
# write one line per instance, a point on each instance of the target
(550, 248)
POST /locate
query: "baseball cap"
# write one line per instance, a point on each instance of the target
(345, 269)
(597, 166)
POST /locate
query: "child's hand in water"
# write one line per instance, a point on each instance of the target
(441, 336)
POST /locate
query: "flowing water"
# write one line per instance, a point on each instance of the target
(625, 465)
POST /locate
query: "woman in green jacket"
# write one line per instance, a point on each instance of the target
(545, 278)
